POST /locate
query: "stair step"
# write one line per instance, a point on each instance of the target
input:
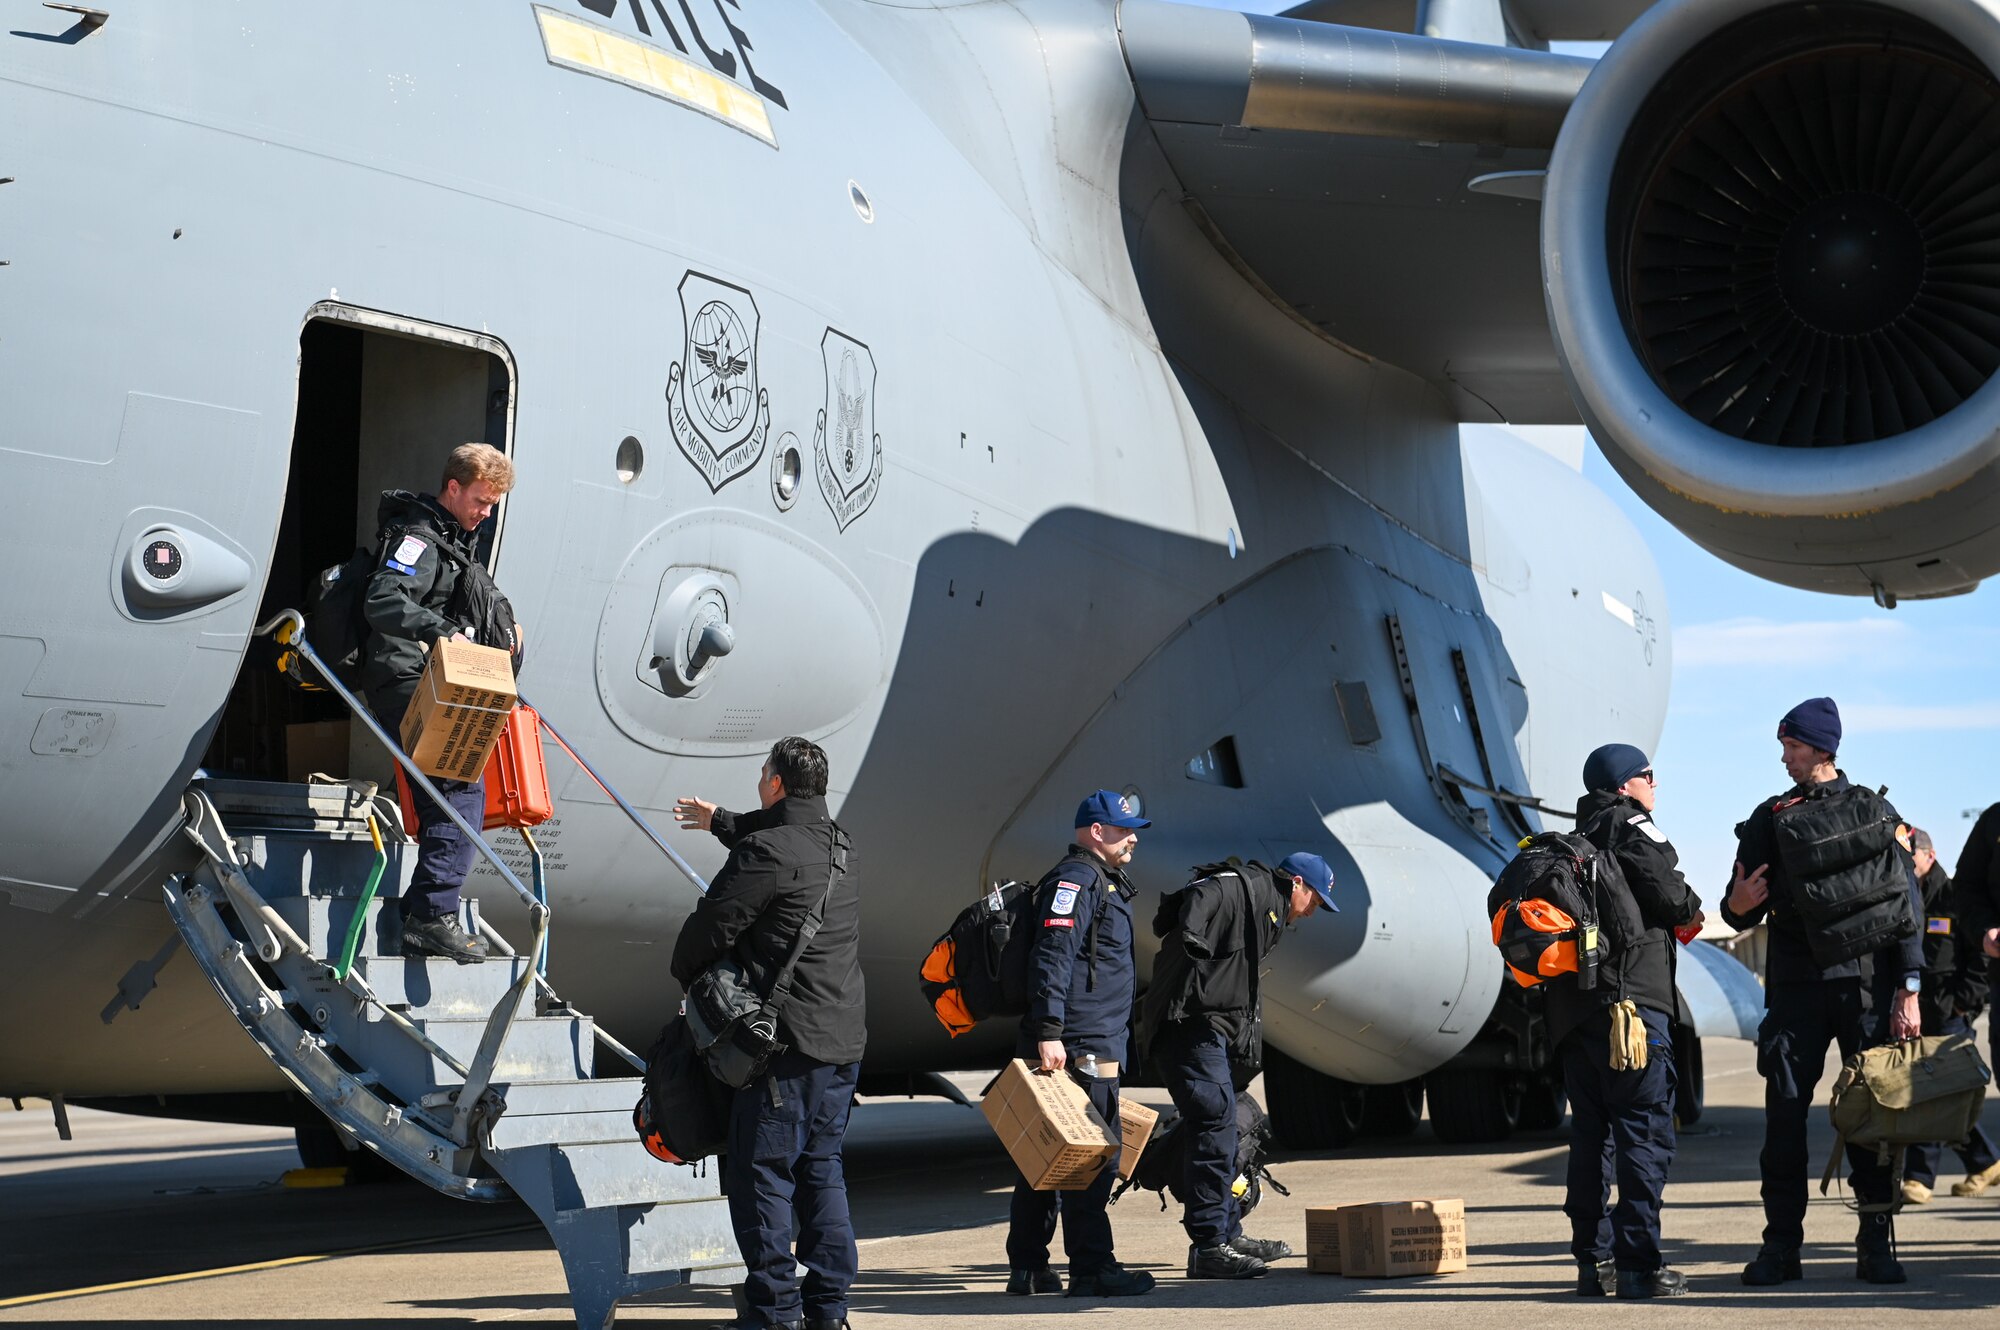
(538, 1048)
(694, 1236)
(282, 866)
(544, 1098)
(435, 987)
(323, 921)
(621, 1173)
(609, 1127)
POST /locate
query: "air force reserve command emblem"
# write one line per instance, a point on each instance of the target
(720, 415)
(846, 449)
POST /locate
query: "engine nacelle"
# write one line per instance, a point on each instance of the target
(1771, 249)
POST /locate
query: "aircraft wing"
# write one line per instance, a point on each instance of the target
(1384, 187)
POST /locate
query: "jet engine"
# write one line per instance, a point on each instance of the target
(1771, 251)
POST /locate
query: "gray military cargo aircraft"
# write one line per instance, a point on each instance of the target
(1017, 399)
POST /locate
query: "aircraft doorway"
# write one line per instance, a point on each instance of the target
(381, 401)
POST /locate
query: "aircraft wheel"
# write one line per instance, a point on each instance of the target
(1544, 1102)
(1690, 1095)
(1309, 1109)
(1474, 1105)
(1393, 1110)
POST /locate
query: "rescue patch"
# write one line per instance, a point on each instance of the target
(1058, 923)
(404, 557)
(1938, 925)
(1645, 824)
(1064, 902)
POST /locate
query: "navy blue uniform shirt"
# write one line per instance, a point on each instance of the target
(1087, 1006)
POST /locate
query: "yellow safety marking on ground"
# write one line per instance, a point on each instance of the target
(574, 44)
(307, 1179)
(279, 1264)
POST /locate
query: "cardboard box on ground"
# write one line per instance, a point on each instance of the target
(459, 709)
(1057, 1140)
(1384, 1239)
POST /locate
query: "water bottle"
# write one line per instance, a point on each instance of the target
(1087, 1066)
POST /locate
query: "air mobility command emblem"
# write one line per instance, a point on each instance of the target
(846, 449)
(720, 415)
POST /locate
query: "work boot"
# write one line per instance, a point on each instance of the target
(1264, 1249)
(1976, 1183)
(442, 936)
(826, 1323)
(1915, 1193)
(1773, 1265)
(1023, 1282)
(1661, 1283)
(1109, 1281)
(1875, 1252)
(1596, 1281)
(1223, 1261)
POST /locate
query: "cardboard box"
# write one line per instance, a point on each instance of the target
(1323, 1239)
(1387, 1239)
(1058, 1141)
(1135, 1128)
(319, 745)
(460, 706)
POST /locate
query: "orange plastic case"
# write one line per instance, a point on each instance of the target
(517, 779)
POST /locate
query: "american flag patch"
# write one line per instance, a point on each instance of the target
(1937, 925)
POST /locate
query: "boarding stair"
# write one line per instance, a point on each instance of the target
(476, 1079)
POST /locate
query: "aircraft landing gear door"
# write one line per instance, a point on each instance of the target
(382, 400)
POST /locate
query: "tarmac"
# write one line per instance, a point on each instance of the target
(136, 1199)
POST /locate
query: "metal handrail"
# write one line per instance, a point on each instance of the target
(687, 869)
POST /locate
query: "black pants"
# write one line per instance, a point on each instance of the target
(1800, 1021)
(444, 853)
(1976, 1152)
(783, 1170)
(1623, 1128)
(1194, 1059)
(1085, 1224)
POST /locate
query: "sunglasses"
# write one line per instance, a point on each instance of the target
(1647, 776)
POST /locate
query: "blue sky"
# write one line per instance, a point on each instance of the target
(1915, 686)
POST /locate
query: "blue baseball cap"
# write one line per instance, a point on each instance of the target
(1111, 809)
(1317, 874)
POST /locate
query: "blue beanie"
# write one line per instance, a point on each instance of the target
(1612, 765)
(1815, 721)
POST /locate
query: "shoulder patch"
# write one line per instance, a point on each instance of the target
(1064, 902)
(1645, 824)
(1938, 924)
(1058, 923)
(410, 550)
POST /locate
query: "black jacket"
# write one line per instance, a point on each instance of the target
(777, 871)
(1954, 982)
(1976, 889)
(1790, 959)
(1082, 979)
(406, 598)
(1643, 968)
(1215, 932)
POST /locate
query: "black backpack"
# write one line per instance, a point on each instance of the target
(338, 630)
(1560, 908)
(682, 1116)
(979, 968)
(1849, 875)
(1163, 1163)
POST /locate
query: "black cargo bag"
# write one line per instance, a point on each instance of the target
(1163, 1163)
(682, 1116)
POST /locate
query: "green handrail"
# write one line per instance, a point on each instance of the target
(360, 920)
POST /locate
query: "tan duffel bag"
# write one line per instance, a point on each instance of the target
(1908, 1093)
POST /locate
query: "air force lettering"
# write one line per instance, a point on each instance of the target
(719, 413)
(847, 452)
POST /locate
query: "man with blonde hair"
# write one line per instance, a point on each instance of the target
(427, 586)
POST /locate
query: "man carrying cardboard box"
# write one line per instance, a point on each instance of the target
(421, 593)
(1081, 984)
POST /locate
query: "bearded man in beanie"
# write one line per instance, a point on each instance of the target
(1823, 950)
(1624, 1118)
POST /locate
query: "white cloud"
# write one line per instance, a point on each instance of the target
(1890, 718)
(1809, 643)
